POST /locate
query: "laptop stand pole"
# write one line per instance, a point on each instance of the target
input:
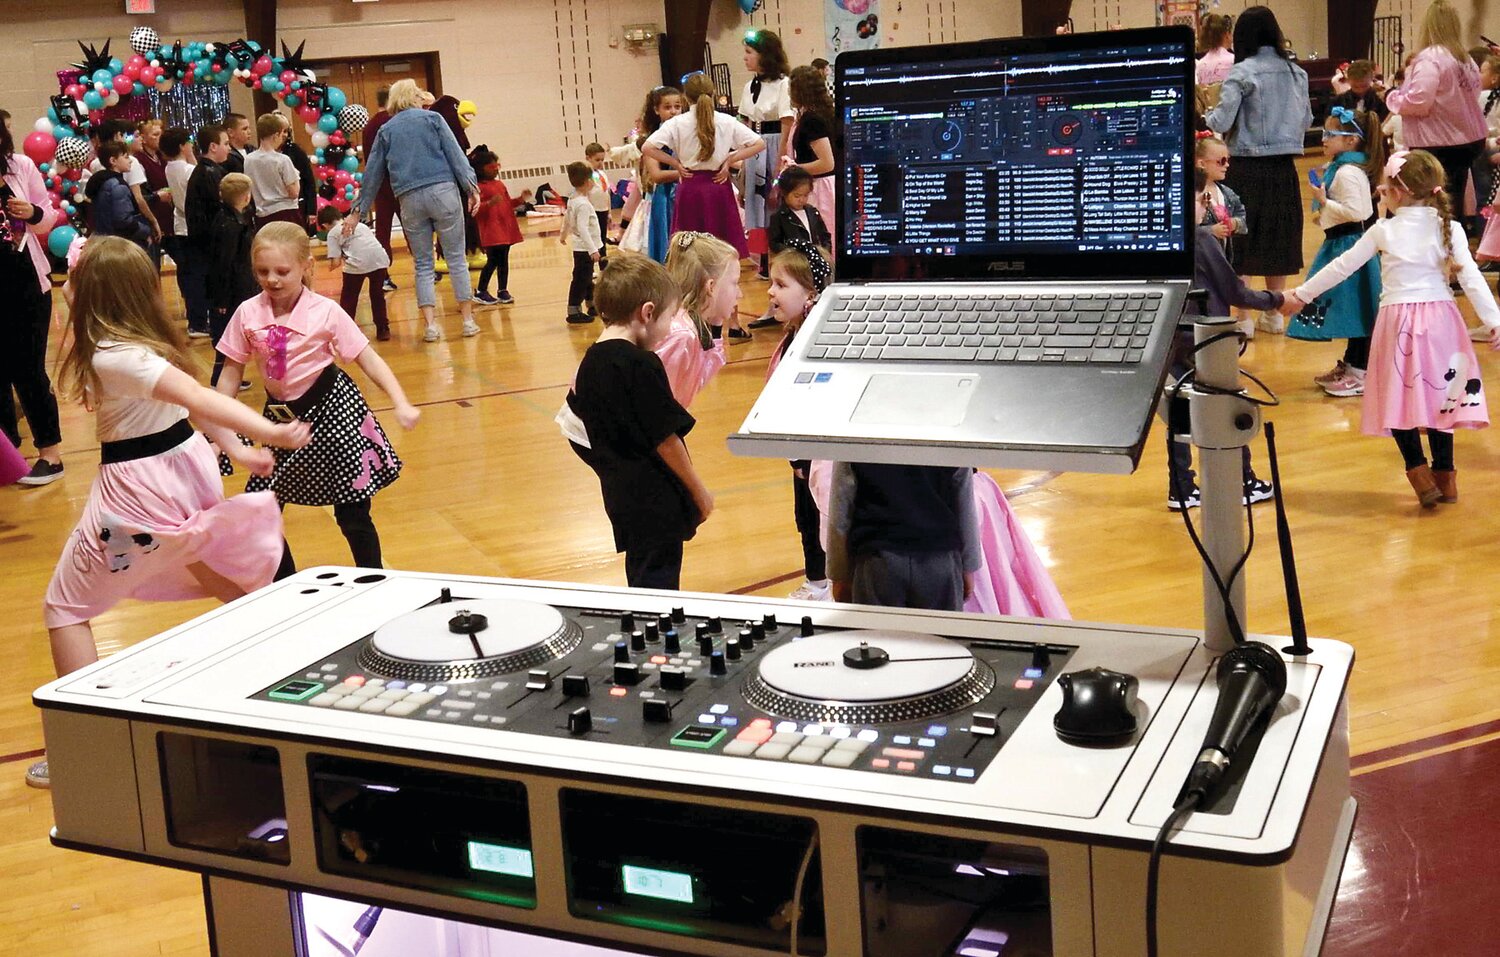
(1222, 425)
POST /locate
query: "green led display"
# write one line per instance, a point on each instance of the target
(500, 859)
(662, 885)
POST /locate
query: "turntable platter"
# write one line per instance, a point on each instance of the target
(868, 677)
(452, 641)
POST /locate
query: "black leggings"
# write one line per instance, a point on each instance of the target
(498, 264)
(1409, 441)
(805, 509)
(581, 289)
(1456, 161)
(23, 355)
(1357, 353)
(359, 531)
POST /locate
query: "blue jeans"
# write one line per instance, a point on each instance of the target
(437, 208)
(191, 279)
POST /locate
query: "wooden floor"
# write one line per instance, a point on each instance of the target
(491, 488)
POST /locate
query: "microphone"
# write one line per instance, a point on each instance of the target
(1251, 678)
(364, 927)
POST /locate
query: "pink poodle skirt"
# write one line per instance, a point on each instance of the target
(1489, 243)
(822, 201)
(708, 207)
(1011, 579)
(12, 463)
(147, 520)
(1423, 372)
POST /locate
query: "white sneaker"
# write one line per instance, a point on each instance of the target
(814, 591)
(432, 334)
(38, 775)
(1246, 327)
(471, 328)
(1272, 322)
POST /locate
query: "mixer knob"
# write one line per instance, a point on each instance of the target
(445, 596)
(716, 665)
(575, 686)
(627, 622)
(705, 645)
(622, 651)
(673, 678)
(538, 680)
(656, 710)
(671, 643)
(758, 631)
(769, 621)
(747, 640)
(655, 628)
(732, 649)
(679, 615)
(627, 673)
(701, 629)
(580, 721)
(638, 640)
(716, 625)
(807, 626)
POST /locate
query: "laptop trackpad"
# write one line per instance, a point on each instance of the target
(915, 399)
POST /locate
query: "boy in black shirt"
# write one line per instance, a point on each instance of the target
(231, 278)
(623, 422)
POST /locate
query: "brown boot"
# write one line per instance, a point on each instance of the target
(1423, 483)
(1447, 483)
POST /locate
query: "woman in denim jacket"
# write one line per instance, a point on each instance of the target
(1264, 115)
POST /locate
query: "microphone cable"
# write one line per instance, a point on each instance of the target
(1189, 803)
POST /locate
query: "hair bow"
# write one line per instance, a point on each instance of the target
(1345, 116)
(1394, 164)
(1204, 135)
(821, 271)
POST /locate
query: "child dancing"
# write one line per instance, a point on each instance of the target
(707, 273)
(298, 338)
(1423, 373)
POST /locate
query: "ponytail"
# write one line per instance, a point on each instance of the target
(699, 90)
(1375, 150)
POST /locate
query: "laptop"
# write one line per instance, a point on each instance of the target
(1015, 245)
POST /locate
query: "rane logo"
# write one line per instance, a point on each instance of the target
(1007, 265)
(815, 664)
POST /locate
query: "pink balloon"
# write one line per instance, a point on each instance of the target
(288, 77)
(75, 91)
(137, 61)
(336, 138)
(342, 179)
(309, 114)
(123, 84)
(39, 147)
(340, 203)
(261, 67)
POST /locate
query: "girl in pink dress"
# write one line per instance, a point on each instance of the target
(707, 272)
(1423, 372)
(298, 338)
(156, 525)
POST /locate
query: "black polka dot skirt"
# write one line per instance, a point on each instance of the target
(348, 460)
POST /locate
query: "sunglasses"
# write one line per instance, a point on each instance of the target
(1335, 134)
(1221, 161)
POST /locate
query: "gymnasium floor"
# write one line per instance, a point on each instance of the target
(491, 488)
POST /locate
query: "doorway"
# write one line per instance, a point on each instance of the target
(362, 79)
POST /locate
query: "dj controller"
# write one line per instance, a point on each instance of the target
(677, 773)
(870, 700)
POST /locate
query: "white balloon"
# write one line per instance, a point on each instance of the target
(312, 128)
(112, 99)
(320, 140)
(43, 125)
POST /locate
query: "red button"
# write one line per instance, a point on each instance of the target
(619, 692)
(905, 766)
(905, 753)
(1024, 684)
(880, 763)
(758, 735)
(658, 659)
(354, 681)
(761, 723)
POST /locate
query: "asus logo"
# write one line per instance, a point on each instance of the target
(1007, 265)
(814, 664)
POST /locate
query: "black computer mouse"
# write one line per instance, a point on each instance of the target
(1098, 707)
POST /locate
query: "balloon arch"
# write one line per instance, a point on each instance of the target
(103, 86)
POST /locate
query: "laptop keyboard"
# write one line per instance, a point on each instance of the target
(1097, 328)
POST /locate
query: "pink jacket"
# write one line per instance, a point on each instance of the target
(1439, 102)
(689, 366)
(25, 180)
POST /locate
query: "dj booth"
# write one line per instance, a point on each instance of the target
(532, 764)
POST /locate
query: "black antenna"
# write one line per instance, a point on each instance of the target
(1299, 647)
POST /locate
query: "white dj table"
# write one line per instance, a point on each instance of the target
(615, 787)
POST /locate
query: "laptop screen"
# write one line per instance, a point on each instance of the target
(1018, 159)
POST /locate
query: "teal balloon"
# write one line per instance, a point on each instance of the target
(52, 115)
(60, 239)
(328, 122)
(748, 6)
(269, 85)
(138, 88)
(61, 132)
(94, 101)
(335, 100)
(102, 76)
(349, 164)
(293, 99)
(115, 65)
